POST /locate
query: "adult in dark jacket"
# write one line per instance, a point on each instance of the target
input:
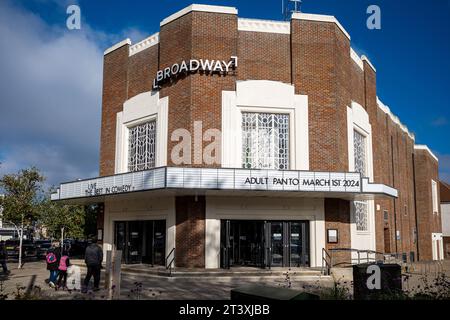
(3, 257)
(52, 258)
(93, 258)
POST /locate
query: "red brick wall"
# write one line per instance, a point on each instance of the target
(142, 68)
(337, 216)
(115, 72)
(321, 70)
(190, 232)
(426, 168)
(264, 56)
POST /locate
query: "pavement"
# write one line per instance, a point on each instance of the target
(29, 283)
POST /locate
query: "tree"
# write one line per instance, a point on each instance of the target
(21, 200)
(62, 220)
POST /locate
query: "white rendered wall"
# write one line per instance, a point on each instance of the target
(259, 208)
(139, 209)
(358, 119)
(445, 216)
(264, 96)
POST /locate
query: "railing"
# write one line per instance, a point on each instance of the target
(170, 264)
(326, 262)
(330, 258)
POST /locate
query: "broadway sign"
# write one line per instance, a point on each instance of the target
(192, 66)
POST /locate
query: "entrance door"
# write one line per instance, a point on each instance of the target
(298, 244)
(277, 236)
(242, 243)
(264, 244)
(141, 241)
(289, 243)
(135, 242)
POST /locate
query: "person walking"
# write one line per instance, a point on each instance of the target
(93, 258)
(64, 264)
(52, 258)
(3, 257)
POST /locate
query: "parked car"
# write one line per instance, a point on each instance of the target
(42, 247)
(28, 249)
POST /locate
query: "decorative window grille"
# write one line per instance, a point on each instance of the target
(359, 142)
(265, 141)
(361, 215)
(142, 146)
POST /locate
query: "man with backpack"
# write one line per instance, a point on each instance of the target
(52, 258)
(93, 258)
(3, 257)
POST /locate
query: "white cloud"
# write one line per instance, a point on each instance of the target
(439, 122)
(50, 89)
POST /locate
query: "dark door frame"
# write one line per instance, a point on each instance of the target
(266, 244)
(126, 239)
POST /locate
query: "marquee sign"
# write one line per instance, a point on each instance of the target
(218, 179)
(192, 66)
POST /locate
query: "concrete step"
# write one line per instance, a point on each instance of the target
(240, 272)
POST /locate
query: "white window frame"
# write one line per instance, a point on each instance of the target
(434, 197)
(142, 108)
(264, 96)
(358, 120)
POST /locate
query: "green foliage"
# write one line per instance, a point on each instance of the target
(34, 293)
(22, 192)
(55, 216)
(339, 291)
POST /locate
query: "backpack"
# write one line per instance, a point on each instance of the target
(50, 258)
(63, 263)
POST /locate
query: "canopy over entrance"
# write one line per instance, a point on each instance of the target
(226, 182)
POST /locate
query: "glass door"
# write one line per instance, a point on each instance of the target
(159, 242)
(277, 244)
(135, 241)
(120, 237)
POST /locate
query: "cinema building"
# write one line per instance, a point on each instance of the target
(238, 142)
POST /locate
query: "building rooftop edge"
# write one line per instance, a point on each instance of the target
(394, 118)
(425, 147)
(364, 58)
(199, 7)
(144, 44)
(117, 46)
(319, 17)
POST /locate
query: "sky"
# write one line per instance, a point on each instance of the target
(51, 77)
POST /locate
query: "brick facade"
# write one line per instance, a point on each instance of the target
(427, 221)
(315, 58)
(190, 232)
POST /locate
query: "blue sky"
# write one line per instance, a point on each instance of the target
(51, 77)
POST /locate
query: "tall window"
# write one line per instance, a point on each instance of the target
(361, 215)
(360, 207)
(434, 195)
(142, 146)
(359, 142)
(265, 141)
